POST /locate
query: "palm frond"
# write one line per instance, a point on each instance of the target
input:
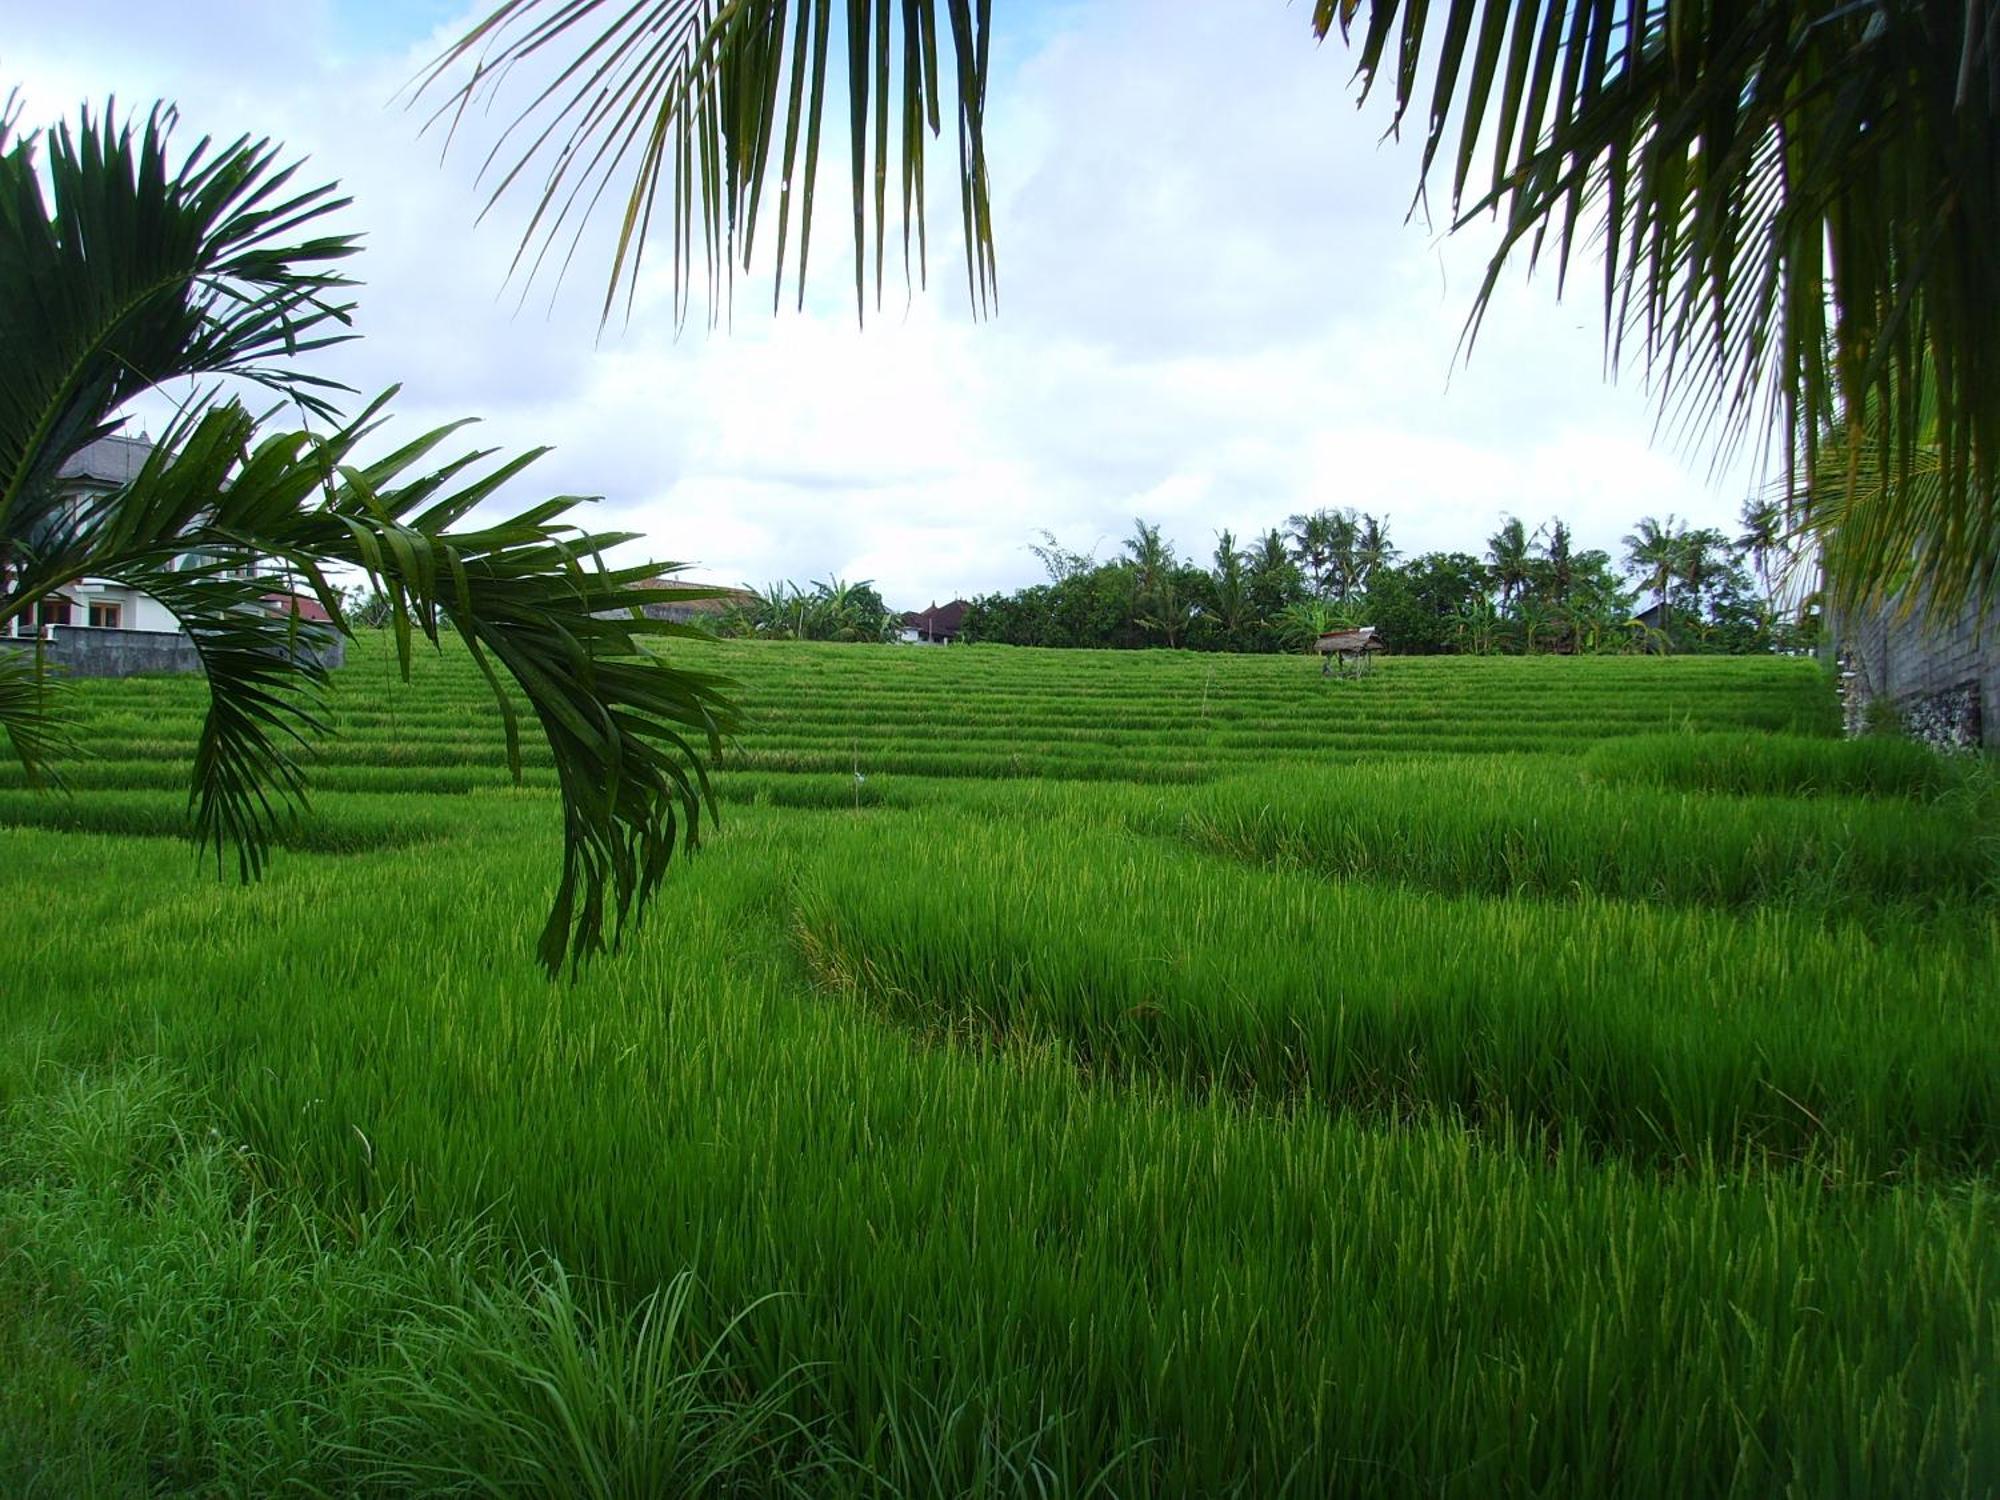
(1899, 538)
(1796, 206)
(32, 713)
(531, 597)
(138, 272)
(684, 107)
(130, 273)
(216, 508)
(161, 535)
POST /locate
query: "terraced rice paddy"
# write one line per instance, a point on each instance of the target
(1081, 1073)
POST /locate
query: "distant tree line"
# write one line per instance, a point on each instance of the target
(1529, 591)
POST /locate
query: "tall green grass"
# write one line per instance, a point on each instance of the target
(1773, 764)
(1538, 830)
(331, 825)
(1670, 1037)
(176, 1328)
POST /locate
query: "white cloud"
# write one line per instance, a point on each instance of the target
(1213, 314)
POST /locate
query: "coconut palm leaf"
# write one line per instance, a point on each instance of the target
(1652, 555)
(531, 596)
(1795, 205)
(1796, 208)
(1900, 538)
(31, 714)
(681, 108)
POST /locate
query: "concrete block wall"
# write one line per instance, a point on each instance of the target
(1943, 678)
(95, 651)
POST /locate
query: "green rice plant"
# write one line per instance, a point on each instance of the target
(228, 1344)
(333, 825)
(1669, 1037)
(1512, 828)
(1053, 1153)
(1776, 765)
(997, 1277)
(1151, 716)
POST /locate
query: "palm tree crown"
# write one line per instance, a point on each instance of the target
(1508, 550)
(1653, 554)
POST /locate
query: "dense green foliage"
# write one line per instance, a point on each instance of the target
(1163, 1071)
(1786, 765)
(444, 1368)
(1529, 592)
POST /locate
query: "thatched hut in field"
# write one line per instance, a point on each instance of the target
(1349, 647)
(1351, 642)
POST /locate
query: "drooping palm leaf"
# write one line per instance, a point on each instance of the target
(1880, 530)
(1797, 206)
(1798, 210)
(133, 273)
(679, 110)
(31, 716)
(218, 516)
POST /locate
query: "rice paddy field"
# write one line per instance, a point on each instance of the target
(1059, 1073)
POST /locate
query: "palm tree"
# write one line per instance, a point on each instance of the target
(849, 611)
(1229, 587)
(1326, 545)
(1478, 625)
(1343, 539)
(1795, 204)
(1313, 541)
(1154, 605)
(1273, 580)
(1151, 555)
(1704, 556)
(1534, 616)
(1508, 549)
(1371, 550)
(1301, 623)
(136, 271)
(1553, 580)
(1559, 560)
(1596, 610)
(1653, 555)
(1269, 555)
(1762, 537)
(1167, 609)
(776, 611)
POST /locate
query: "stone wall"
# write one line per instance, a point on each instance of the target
(95, 651)
(1942, 681)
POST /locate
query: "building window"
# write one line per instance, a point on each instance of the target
(52, 612)
(106, 616)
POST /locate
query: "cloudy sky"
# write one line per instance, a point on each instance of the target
(1213, 311)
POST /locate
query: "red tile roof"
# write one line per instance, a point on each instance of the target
(305, 606)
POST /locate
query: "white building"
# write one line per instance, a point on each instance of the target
(99, 603)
